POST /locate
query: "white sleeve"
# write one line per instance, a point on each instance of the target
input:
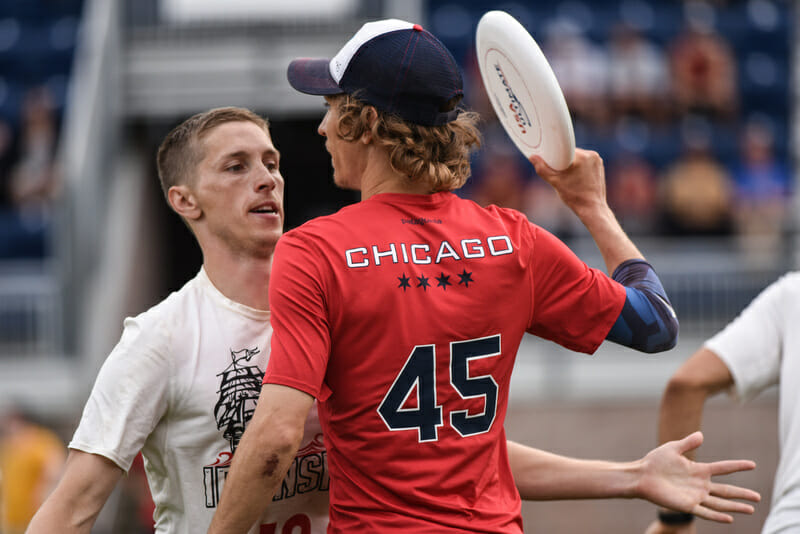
(752, 344)
(129, 396)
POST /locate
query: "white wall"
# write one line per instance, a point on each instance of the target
(179, 11)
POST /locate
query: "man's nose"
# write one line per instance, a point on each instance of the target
(266, 179)
(323, 125)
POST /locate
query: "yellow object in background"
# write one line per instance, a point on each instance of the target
(31, 459)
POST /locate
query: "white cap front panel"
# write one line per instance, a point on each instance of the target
(368, 31)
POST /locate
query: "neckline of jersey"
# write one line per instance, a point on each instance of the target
(238, 307)
(431, 199)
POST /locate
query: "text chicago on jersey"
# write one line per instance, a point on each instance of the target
(425, 253)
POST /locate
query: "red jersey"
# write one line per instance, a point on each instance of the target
(403, 314)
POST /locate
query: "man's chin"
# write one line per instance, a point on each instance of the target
(269, 240)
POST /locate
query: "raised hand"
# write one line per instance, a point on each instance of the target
(582, 185)
(673, 481)
(582, 188)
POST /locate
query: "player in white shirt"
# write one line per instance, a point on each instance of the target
(184, 379)
(758, 349)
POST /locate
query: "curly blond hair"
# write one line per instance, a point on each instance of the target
(439, 155)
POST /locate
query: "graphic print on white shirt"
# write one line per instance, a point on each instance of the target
(239, 387)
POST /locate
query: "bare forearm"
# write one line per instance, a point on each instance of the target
(60, 515)
(541, 475)
(255, 474)
(681, 413)
(704, 374)
(262, 458)
(76, 501)
(612, 241)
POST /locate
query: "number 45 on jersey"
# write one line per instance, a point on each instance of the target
(419, 373)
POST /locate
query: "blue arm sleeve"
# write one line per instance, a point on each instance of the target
(647, 321)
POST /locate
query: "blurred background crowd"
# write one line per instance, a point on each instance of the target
(690, 103)
(686, 101)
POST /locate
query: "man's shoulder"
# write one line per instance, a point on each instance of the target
(785, 289)
(790, 279)
(172, 308)
(507, 214)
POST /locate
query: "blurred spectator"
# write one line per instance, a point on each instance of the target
(762, 185)
(31, 459)
(33, 183)
(638, 75)
(633, 193)
(582, 70)
(697, 191)
(761, 179)
(704, 72)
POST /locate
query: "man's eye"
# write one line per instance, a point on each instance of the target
(234, 168)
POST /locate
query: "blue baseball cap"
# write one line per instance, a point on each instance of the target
(394, 65)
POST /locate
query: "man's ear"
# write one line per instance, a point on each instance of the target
(372, 117)
(183, 201)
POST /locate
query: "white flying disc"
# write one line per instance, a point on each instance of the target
(524, 91)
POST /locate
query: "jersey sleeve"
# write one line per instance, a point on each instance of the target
(751, 345)
(300, 328)
(574, 305)
(129, 397)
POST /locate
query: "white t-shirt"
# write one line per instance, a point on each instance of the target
(761, 348)
(180, 386)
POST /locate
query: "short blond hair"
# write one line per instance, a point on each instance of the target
(180, 151)
(439, 155)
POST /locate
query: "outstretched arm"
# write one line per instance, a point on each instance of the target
(664, 477)
(76, 501)
(681, 412)
(262, 459)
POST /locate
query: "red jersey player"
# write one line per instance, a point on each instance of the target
(403, 313)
